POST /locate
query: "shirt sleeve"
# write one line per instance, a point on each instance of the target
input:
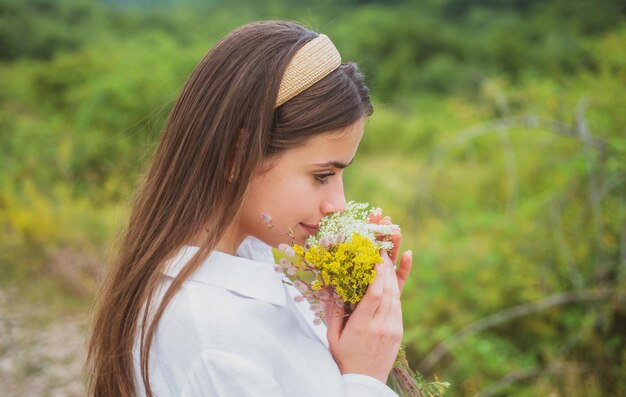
(358, 385)
(223, 374)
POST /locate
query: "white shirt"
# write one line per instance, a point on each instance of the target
(234, 330)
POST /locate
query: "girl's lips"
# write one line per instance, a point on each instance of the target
(308, 228)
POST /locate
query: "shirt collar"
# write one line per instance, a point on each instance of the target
(244, 276)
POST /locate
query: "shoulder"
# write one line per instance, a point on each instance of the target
(228, 303)
(223, 307)
(212, 317)
(207, 329)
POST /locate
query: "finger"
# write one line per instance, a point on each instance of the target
(395, 287)
(376, 215)
(394, 314)
(395, 308)
(404, 269)
(385, 221)
(373, 296)
(396, 239)
(383, 308)
(334, 321)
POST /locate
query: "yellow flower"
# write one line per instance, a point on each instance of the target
(348, 267)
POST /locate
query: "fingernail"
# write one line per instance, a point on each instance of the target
(409, 252)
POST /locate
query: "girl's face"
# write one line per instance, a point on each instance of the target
(300, 186)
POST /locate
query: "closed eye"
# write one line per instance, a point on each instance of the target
(322, 179)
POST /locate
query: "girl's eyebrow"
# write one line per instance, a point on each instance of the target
(334, 163)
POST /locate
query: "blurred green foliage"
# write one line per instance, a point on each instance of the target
(498, 142)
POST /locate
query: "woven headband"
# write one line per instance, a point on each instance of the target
(314, 61)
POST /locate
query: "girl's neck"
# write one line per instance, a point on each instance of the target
(228, 243)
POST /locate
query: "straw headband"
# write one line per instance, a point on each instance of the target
(311, 63)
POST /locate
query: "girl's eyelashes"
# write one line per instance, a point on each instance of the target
(322, 179)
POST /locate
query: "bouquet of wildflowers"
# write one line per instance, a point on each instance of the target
(336, 266)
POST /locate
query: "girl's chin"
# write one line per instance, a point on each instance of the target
(300, 240)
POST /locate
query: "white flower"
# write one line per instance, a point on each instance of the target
(340, 227)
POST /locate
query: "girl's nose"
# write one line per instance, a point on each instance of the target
(335, 201)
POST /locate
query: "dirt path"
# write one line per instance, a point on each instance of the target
(39, 356)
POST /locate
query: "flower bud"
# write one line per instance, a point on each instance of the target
(301, 286)
(286, 249)
(325, 241)
(266, 218)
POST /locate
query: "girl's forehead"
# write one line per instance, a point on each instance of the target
(325, 150)
(332, 149)
(339, 140)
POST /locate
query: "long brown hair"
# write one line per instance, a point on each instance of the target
(224, 121)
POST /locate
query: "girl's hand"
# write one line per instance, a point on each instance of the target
(368, 342)
(404, 268)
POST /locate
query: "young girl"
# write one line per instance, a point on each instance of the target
(192, 306)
